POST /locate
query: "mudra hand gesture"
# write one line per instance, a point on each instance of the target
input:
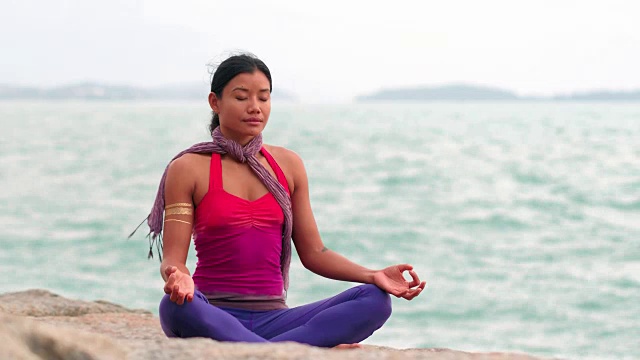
(179, 285)
(391, 280)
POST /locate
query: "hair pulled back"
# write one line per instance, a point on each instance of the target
(228, 69)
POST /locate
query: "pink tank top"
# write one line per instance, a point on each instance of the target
(238, 245)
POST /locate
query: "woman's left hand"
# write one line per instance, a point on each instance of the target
(392, 281)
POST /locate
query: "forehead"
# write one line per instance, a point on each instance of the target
(256, 80)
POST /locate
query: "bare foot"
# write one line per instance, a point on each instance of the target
(347, 346)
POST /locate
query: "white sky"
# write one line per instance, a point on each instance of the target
(327, 50)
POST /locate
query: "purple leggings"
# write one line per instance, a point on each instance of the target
(348, 317)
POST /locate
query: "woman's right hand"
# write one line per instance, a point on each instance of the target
(179, 285)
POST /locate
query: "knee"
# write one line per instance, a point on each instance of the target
(166, 313)
(172, 316)
(167, 307)
(378, 301)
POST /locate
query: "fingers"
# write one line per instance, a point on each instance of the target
(411, 294)
(168, 286)
(415, 280)
(398, 293)
(404, 267)
(184, 297)
(172, 278)
(173, 295)
(176, 287)
(178, 296)
(415, 292)
(181, 298)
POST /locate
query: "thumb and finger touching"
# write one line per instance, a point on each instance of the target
(415, 292)
(179, 286)
(415, 280)
(170, 270)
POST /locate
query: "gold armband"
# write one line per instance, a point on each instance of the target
(176, 220)
(178, 211)
(188, 205)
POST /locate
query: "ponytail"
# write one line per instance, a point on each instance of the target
(215, 122)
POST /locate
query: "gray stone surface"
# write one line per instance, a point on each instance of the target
(39, 302)
(37, 324)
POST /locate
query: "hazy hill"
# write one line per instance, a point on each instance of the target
(447, 92)
(461, 92)
(97, 91)
(601, 96)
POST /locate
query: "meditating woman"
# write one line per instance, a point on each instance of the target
(243, 202)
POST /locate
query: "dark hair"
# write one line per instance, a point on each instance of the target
(228, 69)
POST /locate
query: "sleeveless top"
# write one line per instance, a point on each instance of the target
(238, 245)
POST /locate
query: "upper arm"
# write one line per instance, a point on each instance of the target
(306, 236)
(179, 188)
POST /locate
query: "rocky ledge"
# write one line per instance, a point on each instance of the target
(38, 324)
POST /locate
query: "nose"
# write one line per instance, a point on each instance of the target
(254, 106)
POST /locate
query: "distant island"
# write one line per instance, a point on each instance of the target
(462, 92)
(451, 92)
(97, 91)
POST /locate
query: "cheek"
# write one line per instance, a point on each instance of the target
(266, 108)
(232, 109)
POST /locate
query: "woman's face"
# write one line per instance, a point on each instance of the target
(244, 106)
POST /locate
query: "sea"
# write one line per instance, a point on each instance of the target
(522, 217)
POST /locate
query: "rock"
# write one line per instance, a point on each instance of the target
(26, 339)
(38, 324)
(44, 303)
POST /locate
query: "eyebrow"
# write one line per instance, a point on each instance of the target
(240, 88)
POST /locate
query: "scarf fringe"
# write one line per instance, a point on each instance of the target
(153, 238)
(138, 227)
(157, 239)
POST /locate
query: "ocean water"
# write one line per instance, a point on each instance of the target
(524, 219)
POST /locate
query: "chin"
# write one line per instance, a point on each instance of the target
(254, 132)
(254, 129)
(249, 131)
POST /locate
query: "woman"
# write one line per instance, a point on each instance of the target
(243, 202)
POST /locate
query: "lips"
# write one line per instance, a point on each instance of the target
(253, 120)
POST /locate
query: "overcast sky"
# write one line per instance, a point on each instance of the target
(327, 50)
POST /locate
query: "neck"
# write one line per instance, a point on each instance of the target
(239, 138)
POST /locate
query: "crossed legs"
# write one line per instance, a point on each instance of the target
(348, 317)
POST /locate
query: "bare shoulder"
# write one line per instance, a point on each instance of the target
(291, 164)
(187, 163)
(187, 168)
(287, 159)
